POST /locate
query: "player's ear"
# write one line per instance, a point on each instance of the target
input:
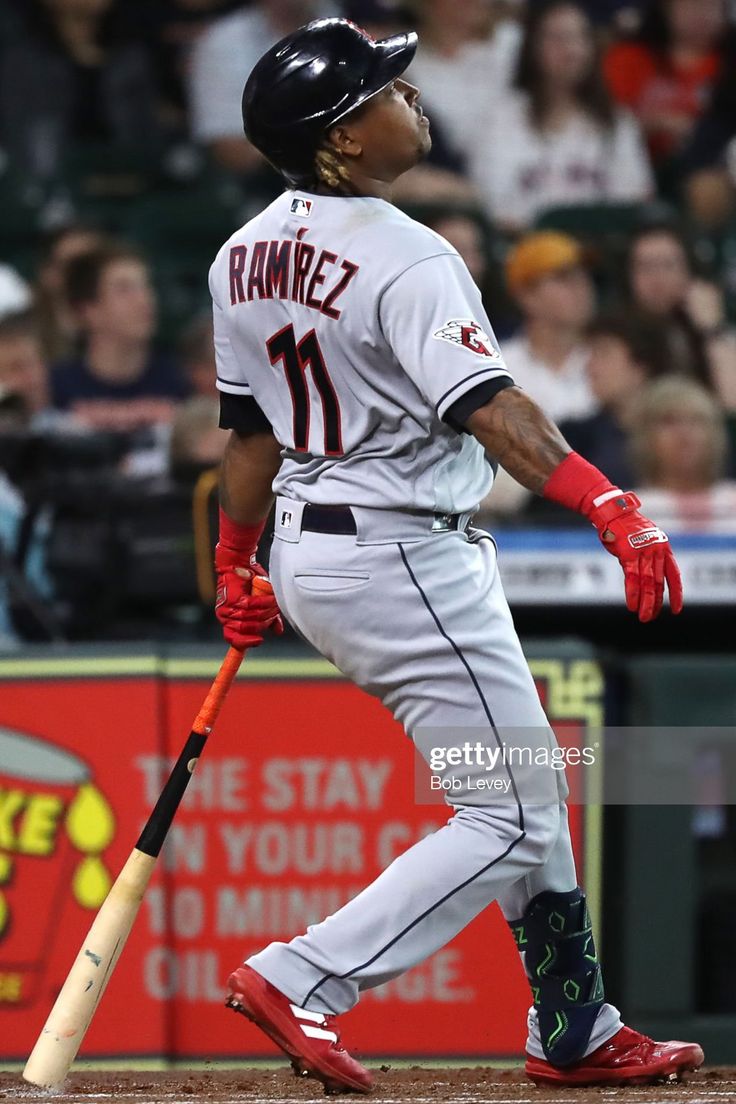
(345, 142)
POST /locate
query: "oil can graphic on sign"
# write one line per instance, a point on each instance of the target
(55, 825)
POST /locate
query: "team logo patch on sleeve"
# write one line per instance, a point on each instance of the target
(301, 207)
(466, 332)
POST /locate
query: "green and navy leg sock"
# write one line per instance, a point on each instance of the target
(555, 938)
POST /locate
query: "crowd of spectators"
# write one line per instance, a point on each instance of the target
(584, 165)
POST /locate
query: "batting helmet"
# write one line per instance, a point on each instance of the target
(308, 81)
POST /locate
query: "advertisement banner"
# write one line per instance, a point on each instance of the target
(69, 815)
(303, 795)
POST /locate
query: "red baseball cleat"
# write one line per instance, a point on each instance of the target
(309, 1039)
(628, 1058)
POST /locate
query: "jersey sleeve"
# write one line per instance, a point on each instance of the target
(433, 318)
(239, 409)
(230, 376)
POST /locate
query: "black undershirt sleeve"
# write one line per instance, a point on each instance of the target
(457, 415)
(243, 414)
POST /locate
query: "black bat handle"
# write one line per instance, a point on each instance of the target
(153, 835)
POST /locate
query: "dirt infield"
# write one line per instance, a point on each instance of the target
(393, 1086)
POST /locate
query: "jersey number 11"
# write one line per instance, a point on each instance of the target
(296, 358)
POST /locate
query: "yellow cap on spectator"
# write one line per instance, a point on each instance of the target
(538, 255)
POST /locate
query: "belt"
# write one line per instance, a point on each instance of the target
(340, 520)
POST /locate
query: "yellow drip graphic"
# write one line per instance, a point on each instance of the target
(90, 822)
(90, 825)
(91, 883)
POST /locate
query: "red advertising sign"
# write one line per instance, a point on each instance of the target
(303, 795)
(69, 816)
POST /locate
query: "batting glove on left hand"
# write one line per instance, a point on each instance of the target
(644, 552)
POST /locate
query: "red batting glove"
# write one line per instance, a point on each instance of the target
(643, 551)
(245, 617)
(641, 548)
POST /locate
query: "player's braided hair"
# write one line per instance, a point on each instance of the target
(332, 171)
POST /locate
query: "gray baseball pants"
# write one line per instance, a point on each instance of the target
(419, 619)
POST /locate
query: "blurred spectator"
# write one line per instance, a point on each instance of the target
(679, 450)
(663, 285)
(120, 382)
(626, 351)
(666, 73)
(58, 324)
(617, 15)
(74, 75)
(556, 139)
(197, 352)
(546, 275)
(24, 376)
(465, 233)
(468, 230)
(707, 160)
(24, 404)
(221, 61)
(710, 192)
(463, 62)
(26, 587)
(12, 510)
(197, 442)
(15, 294)
(172, 27)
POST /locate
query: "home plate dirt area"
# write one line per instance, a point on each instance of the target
(392, 1086)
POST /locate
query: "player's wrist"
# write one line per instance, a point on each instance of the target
(580, 486)
(242, 539)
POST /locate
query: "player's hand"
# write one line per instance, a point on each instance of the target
(245, 617)
(644, 552)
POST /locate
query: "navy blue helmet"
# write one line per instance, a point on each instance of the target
(308, 81)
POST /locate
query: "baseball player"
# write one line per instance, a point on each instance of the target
(363, 387)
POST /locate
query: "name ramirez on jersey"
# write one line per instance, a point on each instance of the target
(288, 270)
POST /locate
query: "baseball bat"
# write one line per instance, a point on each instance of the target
(66, 1026)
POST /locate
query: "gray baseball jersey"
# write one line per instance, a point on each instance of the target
(356, 329)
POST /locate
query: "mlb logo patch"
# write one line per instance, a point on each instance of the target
(286, 519)
(301, 207)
